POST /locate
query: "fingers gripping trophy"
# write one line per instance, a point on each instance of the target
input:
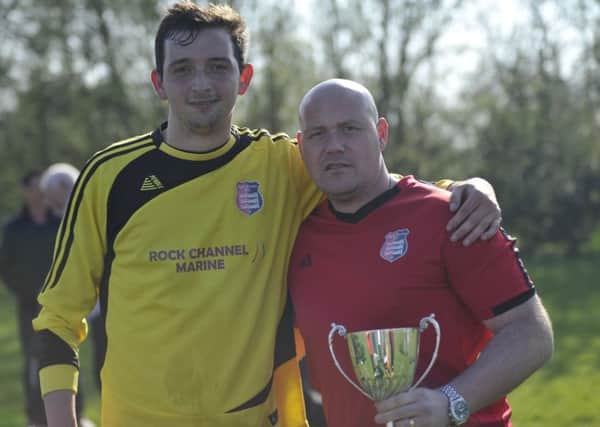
(385, 360)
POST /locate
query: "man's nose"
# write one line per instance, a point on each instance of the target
(335, 142)
(200, 81)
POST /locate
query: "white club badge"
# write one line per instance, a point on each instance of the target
(395, 245)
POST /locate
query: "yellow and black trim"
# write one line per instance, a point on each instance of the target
(285, 350)
(65, 239)
(56, 351)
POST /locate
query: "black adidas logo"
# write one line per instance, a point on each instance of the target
(306, 261)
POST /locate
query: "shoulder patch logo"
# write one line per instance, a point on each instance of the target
(395, 245)
(248, 198)
(151, 183)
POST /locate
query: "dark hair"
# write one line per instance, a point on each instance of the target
(30, 176)
(185, 20)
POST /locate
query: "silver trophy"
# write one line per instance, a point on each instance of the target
(385, 360)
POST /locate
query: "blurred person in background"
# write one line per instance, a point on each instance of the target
(56, 184)
(25, 256)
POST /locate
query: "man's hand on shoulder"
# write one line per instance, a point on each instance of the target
(477, 213)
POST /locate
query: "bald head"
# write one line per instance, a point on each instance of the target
(57, 183)
(348, 90)
(341, 142)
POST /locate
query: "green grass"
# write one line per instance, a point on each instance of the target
(11, 394)
(563, 393)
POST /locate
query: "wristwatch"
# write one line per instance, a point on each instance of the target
(458, 410)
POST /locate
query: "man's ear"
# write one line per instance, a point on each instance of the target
(382, 132)
(245, 78)
(157, 84)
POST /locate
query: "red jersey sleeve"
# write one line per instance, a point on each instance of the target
(488, 276)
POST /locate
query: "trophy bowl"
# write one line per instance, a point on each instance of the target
(385, 360)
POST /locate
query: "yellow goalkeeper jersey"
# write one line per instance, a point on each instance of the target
(188, 254)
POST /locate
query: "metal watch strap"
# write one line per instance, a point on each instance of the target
(453, 397)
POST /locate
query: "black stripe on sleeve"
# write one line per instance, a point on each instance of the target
(52, 350)
(516, 252)
(513, 302)
(521, 298)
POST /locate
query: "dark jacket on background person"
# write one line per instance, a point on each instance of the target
(25, 257)
(26, 254)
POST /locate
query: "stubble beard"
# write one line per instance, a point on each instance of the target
(342, 193)
(203, 125)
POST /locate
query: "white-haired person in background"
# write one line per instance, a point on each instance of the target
(56, 183)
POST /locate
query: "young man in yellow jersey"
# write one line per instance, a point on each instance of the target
(184, 234)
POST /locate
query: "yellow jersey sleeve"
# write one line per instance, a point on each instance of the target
(72, 284)
(308, 193)
(71, 288)
(444, 184)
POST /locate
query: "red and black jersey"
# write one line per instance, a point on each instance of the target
(388, 265)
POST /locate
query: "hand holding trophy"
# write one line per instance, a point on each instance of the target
(385, 360)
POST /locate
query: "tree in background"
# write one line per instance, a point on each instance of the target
(74, 76)
(388, 44)
(284, 67)
(536, 140)
(73, 71)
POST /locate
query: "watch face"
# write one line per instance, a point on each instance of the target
(460, 411)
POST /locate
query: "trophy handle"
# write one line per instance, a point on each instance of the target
(341, 330)
(425, 321)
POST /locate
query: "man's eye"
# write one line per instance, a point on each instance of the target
(182, 69)
(218, 68)
(350, 129)
(315, 134)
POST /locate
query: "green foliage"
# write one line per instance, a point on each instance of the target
(11, 393)
(563, 392)
(74, 74)
(75, 77)
(537, 143)
(284, 69)
(10, 365)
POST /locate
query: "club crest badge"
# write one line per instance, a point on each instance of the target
(248, 198)
(395, 245)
